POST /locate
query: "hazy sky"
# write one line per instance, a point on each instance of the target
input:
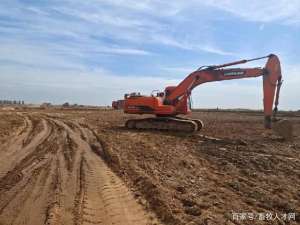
(94, 51)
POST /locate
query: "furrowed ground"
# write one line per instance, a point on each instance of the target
(72, 166)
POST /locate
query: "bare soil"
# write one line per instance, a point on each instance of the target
(84, 167)
(51, 173)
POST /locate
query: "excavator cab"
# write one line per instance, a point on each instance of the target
(157, 93)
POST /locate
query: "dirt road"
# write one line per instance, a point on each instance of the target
(51, 173)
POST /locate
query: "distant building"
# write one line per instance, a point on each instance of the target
(11, 102)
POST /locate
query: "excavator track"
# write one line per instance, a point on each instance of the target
(165, 124)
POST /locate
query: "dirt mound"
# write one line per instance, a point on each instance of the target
(284, 128)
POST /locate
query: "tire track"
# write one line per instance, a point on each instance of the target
(20, 188)
(15, 150)
(101, 198)
(56, 177)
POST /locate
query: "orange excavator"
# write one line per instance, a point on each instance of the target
(175, 100)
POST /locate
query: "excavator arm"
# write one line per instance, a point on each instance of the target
(271, 82)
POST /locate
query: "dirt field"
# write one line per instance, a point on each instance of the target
(83, 167)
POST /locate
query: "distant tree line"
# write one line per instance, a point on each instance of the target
(12, 102)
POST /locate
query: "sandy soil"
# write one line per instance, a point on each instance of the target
(51, 173)
(83, 167)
